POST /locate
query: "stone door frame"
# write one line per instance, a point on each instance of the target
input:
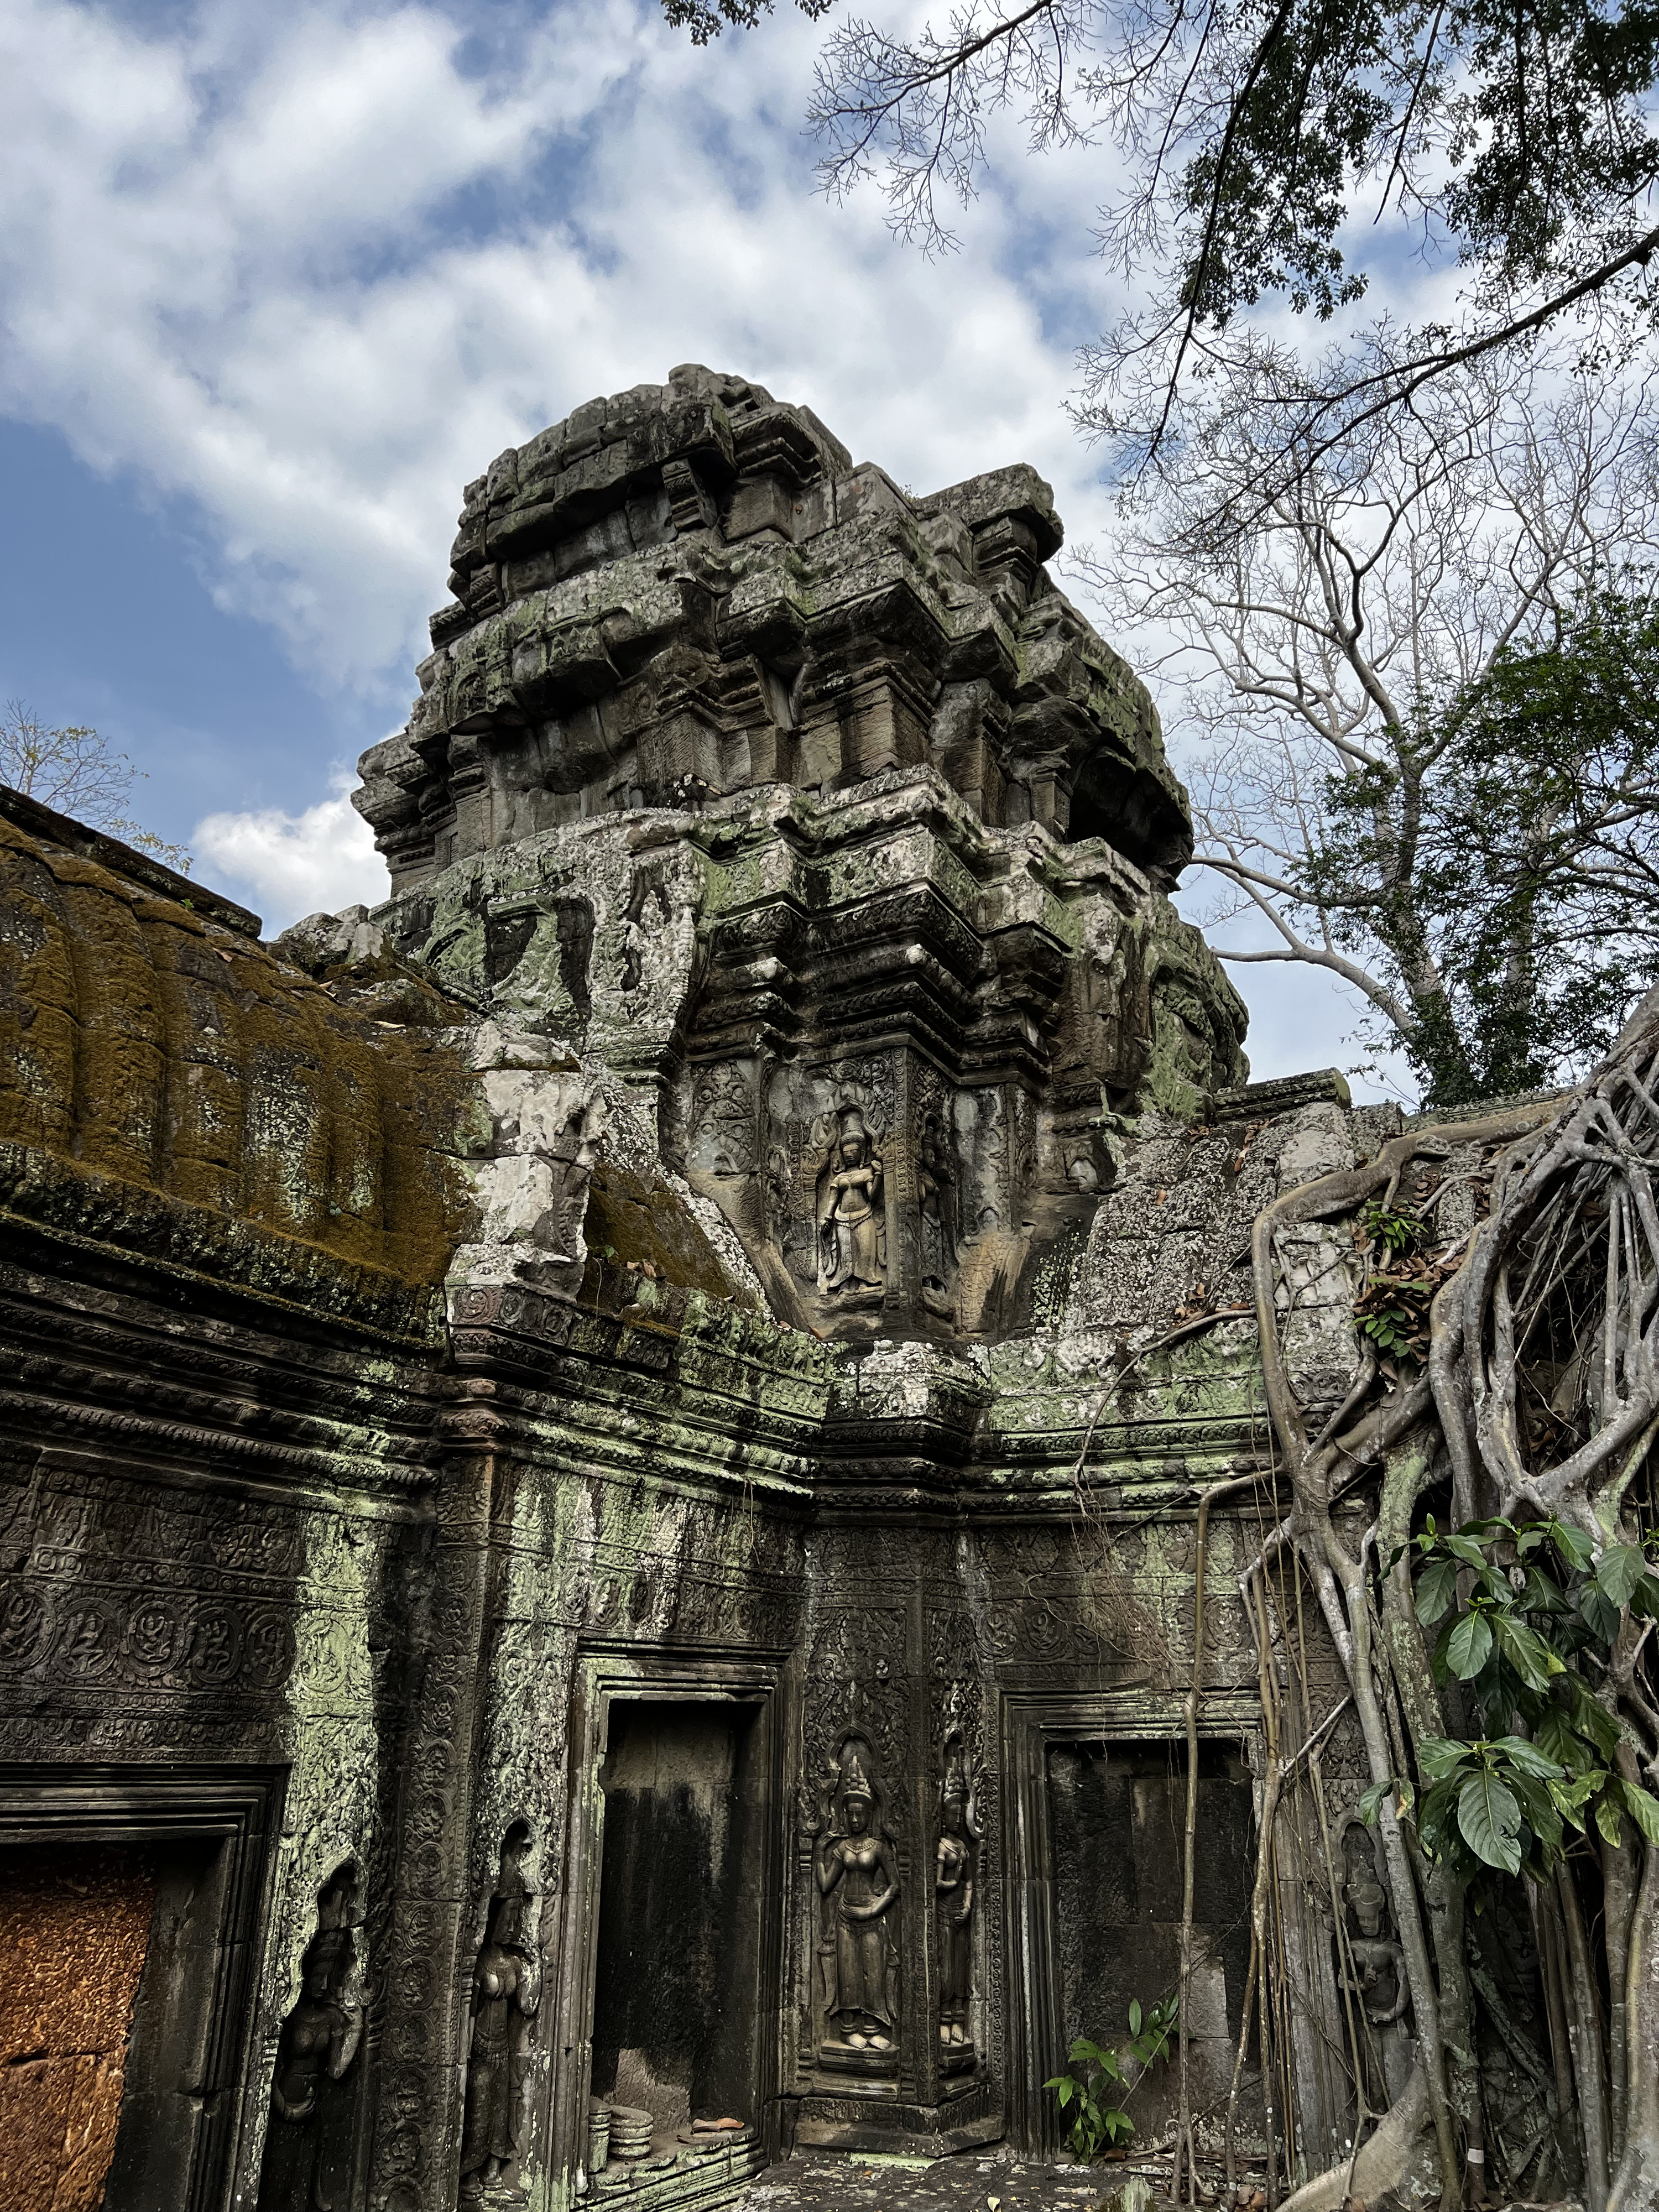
(1028, 1722)
(603, 1674)
(238, 1809)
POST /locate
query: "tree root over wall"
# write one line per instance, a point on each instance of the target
(1533, 1411)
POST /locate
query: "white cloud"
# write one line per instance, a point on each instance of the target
(316, 862)
(234, 264)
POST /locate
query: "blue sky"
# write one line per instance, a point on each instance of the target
(277, 282)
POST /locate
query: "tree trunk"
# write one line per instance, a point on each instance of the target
(1636, 2187)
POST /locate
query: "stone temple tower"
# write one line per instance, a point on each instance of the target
(819, 814)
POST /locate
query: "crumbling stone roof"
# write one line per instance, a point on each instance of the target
(689, 590)
(169, 1083)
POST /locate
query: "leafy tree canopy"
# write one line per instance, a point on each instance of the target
(1518, 133)
(1537, 855)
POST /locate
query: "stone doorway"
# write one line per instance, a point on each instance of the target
(1116, 1824)
(75, 1929)
(1095, 1789)
(676, 1982)
(128, 1903)
(669, 1986)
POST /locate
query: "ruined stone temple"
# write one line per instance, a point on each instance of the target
(601, 1463)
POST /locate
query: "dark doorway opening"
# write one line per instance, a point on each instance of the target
(677, 1996)
(1117, 1820)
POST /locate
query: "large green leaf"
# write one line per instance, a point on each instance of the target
(1436, 1587)
(1469, 1646)
(1592, 1719)
(1434, 1820)
(1606, 1819)
(1372, 1803)
(1558, 1741)
(1600, 1611)
(1540, 1593)
(1529, 1757)
(1618, 1572)
(1573, 1544)
(1573, 1796)
(1643, 1809)
(1527, 1652)
(1542, 1815)
(1438, 1756)
(1489, 1819)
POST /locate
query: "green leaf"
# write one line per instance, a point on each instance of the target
(1527, 1651)
(1543, 1815)
(1646, 1599)
(1540, 1595)
(1593, 1720)
(1569, 1799)
(1433, 1824)
(1065, 2088)
(1372, 1803)
(1438, 1756)
(1600, 1611)
(1527, 1757)
(1436, 1587)
(1607, 1819)
(1573, 1544)
(1469, 1646)
(1489, 1820)
(1134, 2015)
(1556, 1741)
(1468, 1550)
(1618, 1572)
(1643, 1809)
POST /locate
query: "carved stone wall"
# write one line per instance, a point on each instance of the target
(757, 1216)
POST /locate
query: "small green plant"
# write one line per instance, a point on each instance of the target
(1395, 1230)
(1393, 1309)
(1086, 2095)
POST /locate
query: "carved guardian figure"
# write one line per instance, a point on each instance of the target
(506, 1991)
(857, 1877)
(953, 1889)
(852, 1238)
(318, 2042)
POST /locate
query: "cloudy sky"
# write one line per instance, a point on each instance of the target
(277, 281)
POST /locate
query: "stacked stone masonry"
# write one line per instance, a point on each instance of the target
(599, 1483)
